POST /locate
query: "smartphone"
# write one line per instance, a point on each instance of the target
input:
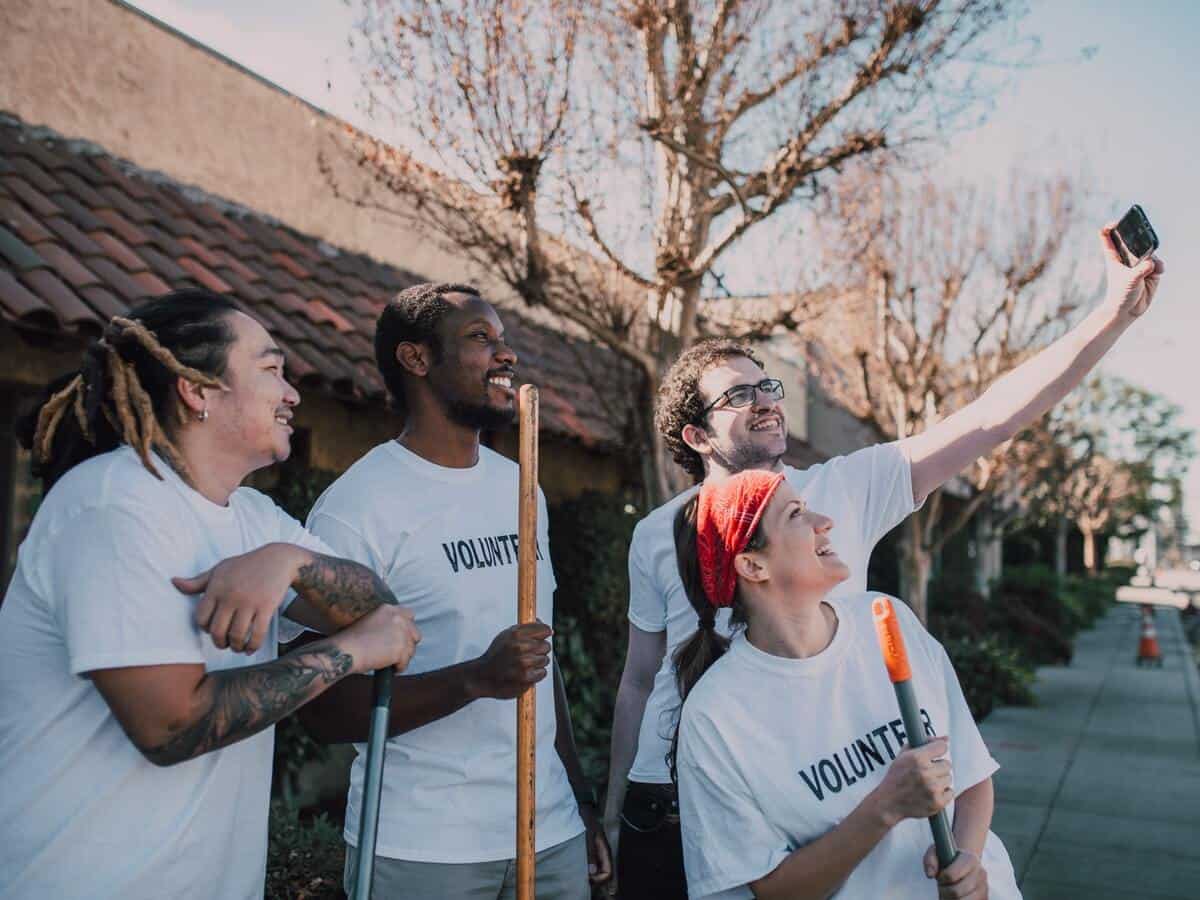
(1134, 236)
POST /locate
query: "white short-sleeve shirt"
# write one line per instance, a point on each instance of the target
(866, 494)
(445, 541)
(775, 752)
(82, 812)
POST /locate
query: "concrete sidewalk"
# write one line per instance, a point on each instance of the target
(1098, 795)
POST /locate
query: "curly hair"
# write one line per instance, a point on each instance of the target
(679, 400)
(413, 316)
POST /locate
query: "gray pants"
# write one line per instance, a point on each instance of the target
(562, 874)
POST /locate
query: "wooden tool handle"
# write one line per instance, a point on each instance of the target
(527, 405)
(891, 641)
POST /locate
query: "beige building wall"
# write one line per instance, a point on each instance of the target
(99, 70)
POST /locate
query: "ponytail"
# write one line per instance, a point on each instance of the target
(696, 655)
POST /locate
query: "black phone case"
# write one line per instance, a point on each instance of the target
(1135, 235)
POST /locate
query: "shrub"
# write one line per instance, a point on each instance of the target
(296, 490)
(305, 857)
(589, 543)
(991, 670)
(990, 673)
(1029, 609)
(1089, 597)
(1030, 619)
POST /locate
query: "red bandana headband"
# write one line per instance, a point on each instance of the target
(726, 515)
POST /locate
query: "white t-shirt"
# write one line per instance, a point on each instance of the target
(445, 541)
(866, 494)
(775, 752)
(82, 812)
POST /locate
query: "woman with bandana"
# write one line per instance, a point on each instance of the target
(795, 778)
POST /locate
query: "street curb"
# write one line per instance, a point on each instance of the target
(1191, 674)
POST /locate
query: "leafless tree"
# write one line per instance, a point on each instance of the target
(602, 157)
(953, 287)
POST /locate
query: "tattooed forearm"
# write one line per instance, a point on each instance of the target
(343, 590)
(242, 702)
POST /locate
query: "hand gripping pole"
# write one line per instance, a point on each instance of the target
(895, 657)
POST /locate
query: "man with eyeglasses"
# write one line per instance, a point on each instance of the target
(720, 414)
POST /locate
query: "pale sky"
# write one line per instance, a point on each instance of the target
(1126, 111)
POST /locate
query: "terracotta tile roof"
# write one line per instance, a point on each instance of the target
(84, 236)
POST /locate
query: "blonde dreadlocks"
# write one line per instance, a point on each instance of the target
(124, 393)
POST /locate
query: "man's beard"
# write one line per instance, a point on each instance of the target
(746, 456)
(479, 415)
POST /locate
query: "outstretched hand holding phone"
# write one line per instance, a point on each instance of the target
(1131, 283)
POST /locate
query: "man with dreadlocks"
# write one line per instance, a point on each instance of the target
(435, 514)
(719, 414)
(136, 749)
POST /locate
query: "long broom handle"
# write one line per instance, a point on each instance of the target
(526, 613)
(368, 823)
(895, 657)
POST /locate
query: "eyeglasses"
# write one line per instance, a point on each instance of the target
(744, 394)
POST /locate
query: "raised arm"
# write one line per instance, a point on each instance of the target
(517, 657)
(1029, 391)
(174, 713)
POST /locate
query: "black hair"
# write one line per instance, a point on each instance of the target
(124, 392)
(413, 316)
(679, 400)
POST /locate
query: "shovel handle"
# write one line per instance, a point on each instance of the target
(368, 824)
(895, 658)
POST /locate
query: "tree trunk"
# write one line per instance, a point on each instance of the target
(916, 566)
(1061, 532)
(989, 556)
(1089, 550)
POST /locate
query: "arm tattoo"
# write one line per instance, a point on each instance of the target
(344, 590)
(242, 702)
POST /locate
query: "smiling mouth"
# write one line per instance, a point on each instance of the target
(504, 382)
(767, 424)
(286, 421)
(827, 550)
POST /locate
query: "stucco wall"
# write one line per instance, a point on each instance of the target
(28, 366)
(101, 71)
(98, 70)
(832, 430)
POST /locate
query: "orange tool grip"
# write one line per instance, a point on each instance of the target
(891, 641)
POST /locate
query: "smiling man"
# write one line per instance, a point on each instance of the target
(719, 413)
(434, 513)
(135, 751)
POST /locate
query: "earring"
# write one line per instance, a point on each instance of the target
(203, 417)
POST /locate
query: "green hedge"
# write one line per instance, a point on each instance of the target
(589, 543)
(295, 490)
(1030, 620)
(991, 674)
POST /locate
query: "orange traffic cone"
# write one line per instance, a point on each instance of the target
(1148, 652)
